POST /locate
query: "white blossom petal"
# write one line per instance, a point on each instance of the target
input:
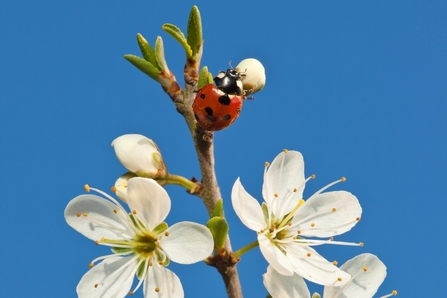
(161, 282)
(365, 283)
(187, 243)
(113, 277)
(331, 213)
(277, 259)
(313, 267)
(149, 200)
(95, 217)
(247, 208)
(284, 175)
(280, 286)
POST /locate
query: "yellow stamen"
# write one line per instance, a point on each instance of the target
(91, 265)
(285, 150)
(394, 292)
(96, 285)
(308, 254)
(113, 189)
(87, 188)
(343, 179)
(335, 263)
(166, 234)
(334, 209)
(78, 214)
(358, 218)
(134, 211)
(312, 225)
(267, 164)
(115, 211)
(157, 290)
(365, 268)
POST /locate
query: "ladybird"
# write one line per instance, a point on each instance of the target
(229, 81)
(215, 109)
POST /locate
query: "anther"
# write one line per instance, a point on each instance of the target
(295, 190)
(78, 214)
(97, 242)
(166, 234)
(298, 232)
(87, 188)
(358, 218)
(134, 211)
(394, 292)
(96, 285)
(361, 244)
(285, 150)
(85, 214)
(339, 279)
(289, 224)
(157, 290)
(160, 262)
(343, 179)
(113, 189)
(91, 266)
(365, 268)
(334, 209)
(331, 239)
(275, 195)
(150, 264)
(335, 263)
(267, 164)
(308, 254)
(131, 293)
(312, 225)
(313, 176)
(115, 211)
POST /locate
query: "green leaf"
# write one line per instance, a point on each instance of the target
(144, 66)
(160, 54)
(218, 209)
(205, 78)
(219, 229)
(194, 33)
(175, 32)
(146, 49)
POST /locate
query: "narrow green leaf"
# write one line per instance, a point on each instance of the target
(194, 33)
(121, 250)
(160, 54)
(219, 229)
(146, 49)
(175, 32)
(144, 66)
(218, 209)
(204, 78)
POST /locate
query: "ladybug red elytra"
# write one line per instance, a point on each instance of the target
(215, 109)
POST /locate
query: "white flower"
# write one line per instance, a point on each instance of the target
(367, 271)
(253, 75)
(142, 243)
(139, 155)
(285, 220)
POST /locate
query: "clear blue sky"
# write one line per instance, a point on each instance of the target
(359, 88)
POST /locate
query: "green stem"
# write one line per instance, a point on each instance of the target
(246, 248)
(178, 180)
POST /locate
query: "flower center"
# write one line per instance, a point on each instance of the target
(144, 245)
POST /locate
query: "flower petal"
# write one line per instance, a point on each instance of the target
(280, 286)
(310, 265)
(150, 201)
(284, 175)
(247, 207)
(95, 217)
(277, 259)
(331, 213)
(161, 282)
(365, 283)
(113, 277)
(187, 243)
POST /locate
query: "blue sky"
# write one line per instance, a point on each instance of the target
(359, 88)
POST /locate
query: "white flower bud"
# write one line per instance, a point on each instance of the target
(139, 155)
(253, 75)
(121, 185)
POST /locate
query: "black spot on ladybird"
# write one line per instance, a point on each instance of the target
(209, 111)
(202, 96)
(225, 100)
(210, 118)
(226, 117)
